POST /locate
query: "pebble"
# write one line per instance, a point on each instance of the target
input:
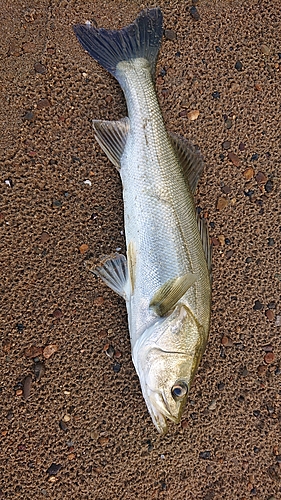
(267, 348)
(57, 313)
(170, 34)
(184, 424)
(44, 237)
(71, 456)
(265, 50)
(194, 13)
(254, 157)
(238, 66)
(40, 68)
(234, 159)
(193, 114)
(216, 95)
(9, 182)
(83, 248)
(229, 253)
(49, 350)
(27, 387)
(269, 186)
(57, 204)
(103, 441)
(269, 358)
(213, 404)
(258, 306)
(215, 242)
(66, 418)
(269, 314)
(29, 116)
(205, 455)
(116, 367)
(226, 189)
(226, 341)
(261, 178)
(226, 145)
(54, 469)
(221, 203)
(221, 239)
(98, 301)
(249, 173)
(109, 350)
(33, 351)
(258, 87)
(228, 123)
(261, 370)
(242, 146)
(63, 426)
(39, 370)
(43, 103)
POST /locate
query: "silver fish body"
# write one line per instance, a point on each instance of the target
(165, 279)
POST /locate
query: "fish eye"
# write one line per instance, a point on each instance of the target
(179, 390)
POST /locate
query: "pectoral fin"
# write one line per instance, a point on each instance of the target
(114, 272)
(112, 136)
(170, 293)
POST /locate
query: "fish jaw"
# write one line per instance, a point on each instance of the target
(168, 353)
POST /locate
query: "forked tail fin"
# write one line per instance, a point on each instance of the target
(141, 39)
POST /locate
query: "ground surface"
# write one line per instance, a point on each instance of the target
(86, 414)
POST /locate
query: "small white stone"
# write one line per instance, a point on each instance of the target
(88, 182)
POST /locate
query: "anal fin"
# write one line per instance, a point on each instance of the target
(171, 292)
(112, 137)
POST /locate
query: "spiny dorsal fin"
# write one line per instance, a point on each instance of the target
(207, 247)
(112, 136)
(190, 160)
(171, 292)
(114, 272)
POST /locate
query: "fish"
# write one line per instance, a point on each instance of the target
(165, 277)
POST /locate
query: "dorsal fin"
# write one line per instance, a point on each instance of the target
(112, 136)
(190, 160)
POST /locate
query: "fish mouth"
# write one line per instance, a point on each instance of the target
(159, 411)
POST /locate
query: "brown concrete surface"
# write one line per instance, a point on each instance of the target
(81, 414)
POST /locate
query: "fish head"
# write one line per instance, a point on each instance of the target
(166, 357)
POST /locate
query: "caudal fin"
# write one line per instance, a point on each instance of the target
(142, 39)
